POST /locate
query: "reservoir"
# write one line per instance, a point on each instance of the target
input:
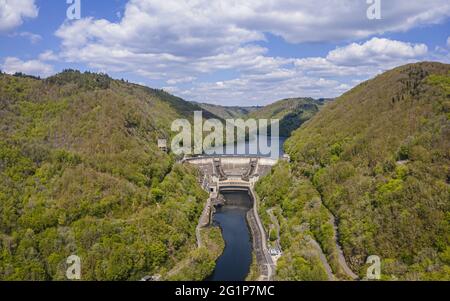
(245, 145)
(234, 263)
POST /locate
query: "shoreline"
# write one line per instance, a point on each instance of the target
(264, 263)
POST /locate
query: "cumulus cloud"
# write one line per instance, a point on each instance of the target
(203, 27)
(48, 55)
(13, 13)
(181, 80)
(177, 41)
(376, 51)
(312, 76)
(259, 90)
(32, 37)
(12, 65)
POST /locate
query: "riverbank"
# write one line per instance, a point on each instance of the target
(234, 263)
(245, 254)
(264, 261)
(201, 261)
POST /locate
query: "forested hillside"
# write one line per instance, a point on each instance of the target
(80, 173)
(378, 160)
(292, 112)
(227, 112)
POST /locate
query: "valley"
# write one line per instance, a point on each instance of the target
(369, 172)
(81, 173)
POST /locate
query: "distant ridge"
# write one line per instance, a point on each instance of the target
(292, 112)
(225, 112)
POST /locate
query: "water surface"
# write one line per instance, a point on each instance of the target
(234, 263)
(246, 145)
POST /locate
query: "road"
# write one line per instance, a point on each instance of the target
(322, 258)
(274, 220)
(202, 222)
(341, 258)
(265, 259)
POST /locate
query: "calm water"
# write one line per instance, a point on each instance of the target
(234, 263)
(246, 145)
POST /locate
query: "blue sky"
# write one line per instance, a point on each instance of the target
(229, 52)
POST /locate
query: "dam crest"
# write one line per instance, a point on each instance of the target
(236, 173)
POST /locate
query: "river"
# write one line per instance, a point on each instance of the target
(246, 145)
(234, 263)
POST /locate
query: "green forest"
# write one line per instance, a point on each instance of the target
(291, 112)
(81, 174)
(377, 159)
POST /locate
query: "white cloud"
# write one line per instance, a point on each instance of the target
(13, 13)
(181, 80)
(179, 41)
(320, 66)
(259, 90)
(48, 55)
(441, 53)
(203, 27)
(328, 76)
(12, 65)
(32, 37)
(377, 52)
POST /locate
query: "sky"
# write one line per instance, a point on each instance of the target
(226, 52)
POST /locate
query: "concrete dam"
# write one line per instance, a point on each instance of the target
(236, 173)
